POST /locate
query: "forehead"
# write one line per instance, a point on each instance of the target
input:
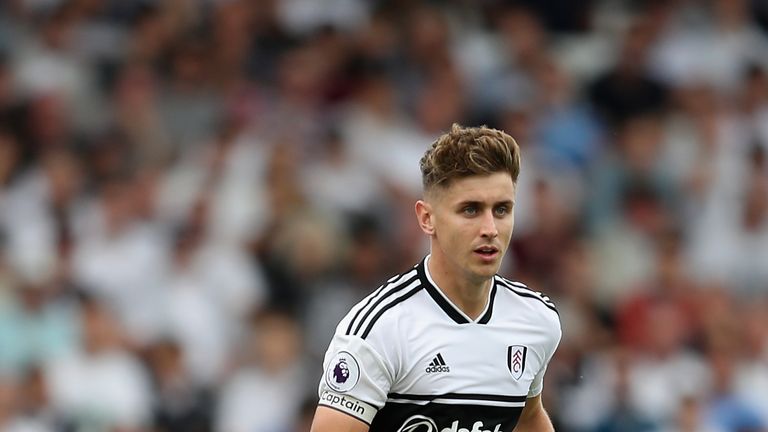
(494, 187)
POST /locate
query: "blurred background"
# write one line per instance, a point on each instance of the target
(194, 192)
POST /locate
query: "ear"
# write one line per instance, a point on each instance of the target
(424, 216)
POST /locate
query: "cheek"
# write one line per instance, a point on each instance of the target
(452, 232)
(506, 228)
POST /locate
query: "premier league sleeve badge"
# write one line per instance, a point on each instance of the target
(342, 372)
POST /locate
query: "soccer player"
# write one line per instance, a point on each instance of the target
(449, 345)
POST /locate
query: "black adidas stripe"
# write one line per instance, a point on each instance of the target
(389, 306)
(527, 292)
(525, 287)
(394, 284)
(390, 282)
(395, 290)
(368, 301)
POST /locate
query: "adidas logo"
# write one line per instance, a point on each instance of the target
(437, 365)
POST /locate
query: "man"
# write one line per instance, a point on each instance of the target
(448, 346)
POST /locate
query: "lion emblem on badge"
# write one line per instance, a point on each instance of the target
(341, 371)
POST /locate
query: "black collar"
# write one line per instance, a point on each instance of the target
(447, 306)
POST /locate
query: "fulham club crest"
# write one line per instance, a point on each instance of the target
(516, 360)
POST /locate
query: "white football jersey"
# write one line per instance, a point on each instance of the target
(405, 359)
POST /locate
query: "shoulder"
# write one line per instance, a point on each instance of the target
(367, 338)
(380, 306)
(535, 300)
(536, 308)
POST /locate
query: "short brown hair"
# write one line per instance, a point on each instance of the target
(467, 151)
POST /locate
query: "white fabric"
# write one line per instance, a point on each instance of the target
(111, 385)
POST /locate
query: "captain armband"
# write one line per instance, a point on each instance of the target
(348, 405)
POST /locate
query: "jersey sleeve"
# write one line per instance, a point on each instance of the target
(553, 341)
(357, 376)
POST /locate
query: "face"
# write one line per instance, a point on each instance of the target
(470, 223)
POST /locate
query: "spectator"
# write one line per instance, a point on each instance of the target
(101, 384)
(266, 392)
(181, 404)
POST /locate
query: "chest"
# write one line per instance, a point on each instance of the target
(441, 358)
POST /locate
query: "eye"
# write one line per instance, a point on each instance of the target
(469, 210)
(501, 210)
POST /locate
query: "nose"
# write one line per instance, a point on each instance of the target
(488, 226)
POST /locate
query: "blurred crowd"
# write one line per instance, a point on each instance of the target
(193, 192)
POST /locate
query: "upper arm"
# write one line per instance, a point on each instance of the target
(358, 373)
(329, 420)
(533, 408)
(534, 418)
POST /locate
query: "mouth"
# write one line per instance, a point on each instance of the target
(487, 253)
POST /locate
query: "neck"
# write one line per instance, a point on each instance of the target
(468, 294)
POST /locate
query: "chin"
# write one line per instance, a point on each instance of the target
(486, 271)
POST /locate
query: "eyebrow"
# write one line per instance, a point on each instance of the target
(476, 202)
